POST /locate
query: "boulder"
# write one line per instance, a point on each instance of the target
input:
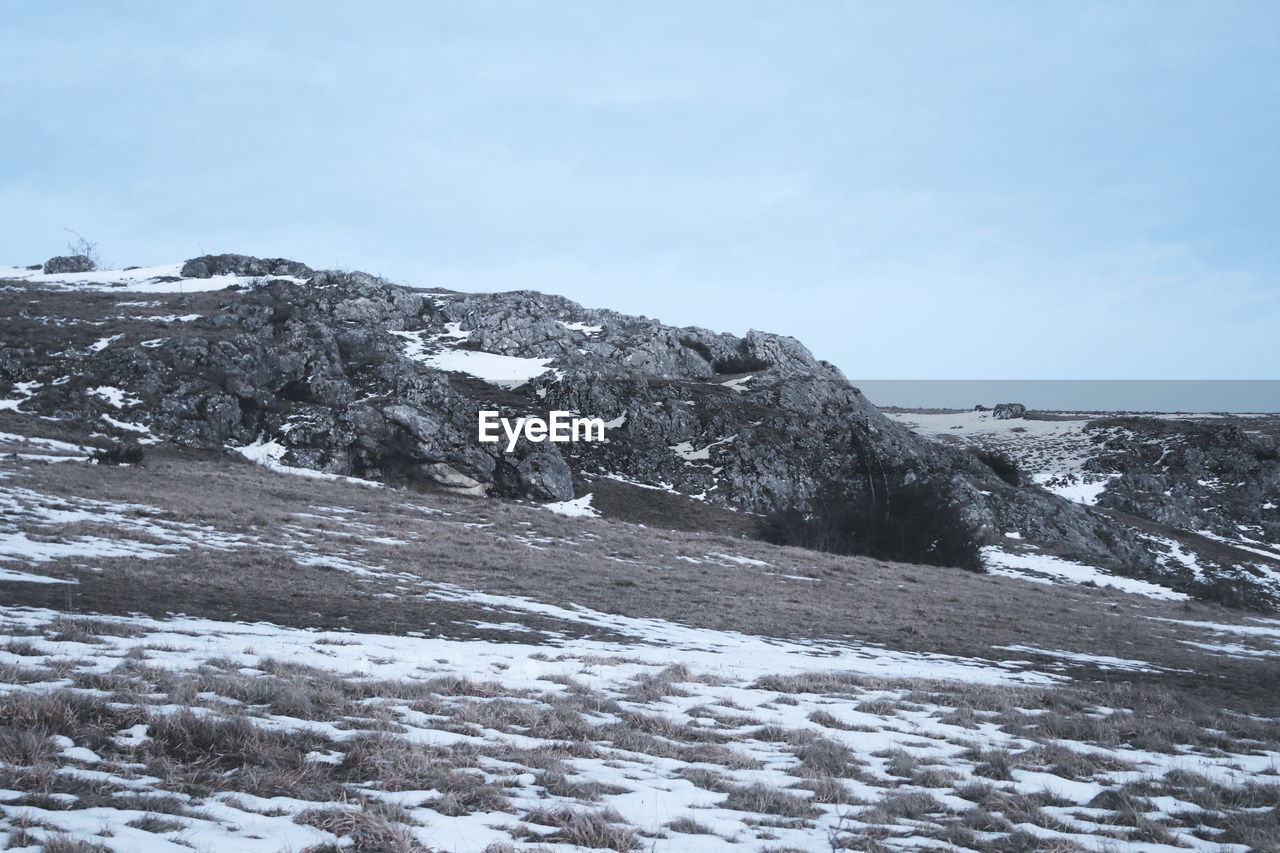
(70, 263)
(1008, 411)
(208, 266)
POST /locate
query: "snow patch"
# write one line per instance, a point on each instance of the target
(114, 396)
(269, 453)
(576, 508)
(166, 278)
(1044, 568)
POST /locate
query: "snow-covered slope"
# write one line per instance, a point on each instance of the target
(486, 720)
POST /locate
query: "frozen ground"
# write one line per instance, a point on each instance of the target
(166, 278)
(1053, 452)
(146, 734)
(533, 721)
(1058, 452)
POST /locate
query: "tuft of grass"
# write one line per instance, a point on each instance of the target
(825, 757)
(766, 799)
(156, 823)
(62, 843)
(689, 826)
(829, 791)
(604, 829)
(907, 804)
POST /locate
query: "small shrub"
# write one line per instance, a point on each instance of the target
(697, 346)
(741, 363)
(911, 523)
(118, 454)
(1006, 469)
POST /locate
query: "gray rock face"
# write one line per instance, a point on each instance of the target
(1195, 475)
(355, 376)
(1007, 411)
(70, 263)
(208, 266)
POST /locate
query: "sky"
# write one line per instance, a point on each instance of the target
(945, 190)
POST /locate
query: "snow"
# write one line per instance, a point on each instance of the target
(576, 508)
(646, 789)
(18, 545)
(130, 426)
(742, 561)
(505, 371)
(1031, 782)
(43, 443)
(1101, 661)
(102, 343)
(582, 327)
(935, 424)
(25, 390)
(115, 397)
(1053, 452)
(454, 330)
(268, 454)
(1233, 649)
(13, 576)
(1178, 555)
(1081, 493)
(686, 451)
(1044, 568)
(166, 278)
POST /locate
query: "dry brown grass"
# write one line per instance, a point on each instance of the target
(603, 829)
(765, 799)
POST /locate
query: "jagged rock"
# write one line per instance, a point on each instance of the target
(1008, 411)
(546, 476)
(70, 263)
(1189, 474)
(208, 266)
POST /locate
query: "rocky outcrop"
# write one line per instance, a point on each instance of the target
(355, 376)
(208, 266)
(1216, 475)
(1008, 411)
(70, 263)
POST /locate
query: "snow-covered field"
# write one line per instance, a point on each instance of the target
(527, 722)
(163, 734)
(1053, 452)
(166, 278)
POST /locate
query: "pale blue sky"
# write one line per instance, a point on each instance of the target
(915, 190)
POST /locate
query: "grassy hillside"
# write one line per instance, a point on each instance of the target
(200, 652)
